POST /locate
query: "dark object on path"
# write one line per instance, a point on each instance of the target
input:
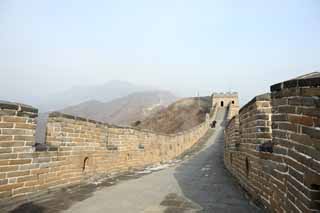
(213, 124)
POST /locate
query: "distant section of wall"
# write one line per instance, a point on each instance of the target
(272, 146)
(229, 99)
(76, 149)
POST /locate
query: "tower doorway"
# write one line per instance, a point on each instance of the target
(221, 104)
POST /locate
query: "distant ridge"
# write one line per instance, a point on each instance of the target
(78, 94)
(125, 110)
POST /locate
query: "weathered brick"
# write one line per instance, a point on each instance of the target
(279, 117)
(8, 156)
(304, 120)
(296, 174)
(315, 165)
(287, 109)
(24, 138)
(14, 119)
(310, 151)
(279, 101)
(19, 161)
(310, 92)
(5, 194)
(300, 158)
(11, 144)
(315, 112)
(280, 134)
(312, 132)
(27, 178)
(5, 150)
(23, 190)
(6, 125)
(25, 126)
(3, 181)
(302, 139)
(8, 168)
(18, 174)
(288, 127)
(10, 187)
(16, 132)
(311, 179)
(6, 138)
(40, 171)
(280, 150)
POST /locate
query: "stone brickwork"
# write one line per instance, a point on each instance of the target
(76, 149)
(276, 154)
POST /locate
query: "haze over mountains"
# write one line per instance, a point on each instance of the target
(78, 94)
(125, 110)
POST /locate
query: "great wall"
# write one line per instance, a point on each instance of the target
(75, 149)
(271, 146)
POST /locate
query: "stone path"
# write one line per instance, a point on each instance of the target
(199, 184)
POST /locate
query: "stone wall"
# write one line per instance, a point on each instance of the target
(76, 149)
(272, 147)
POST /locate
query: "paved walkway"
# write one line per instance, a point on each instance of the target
(199, 184)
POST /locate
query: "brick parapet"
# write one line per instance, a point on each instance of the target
(76, 149)
(284, 175)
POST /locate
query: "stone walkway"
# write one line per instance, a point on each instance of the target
(199, 183)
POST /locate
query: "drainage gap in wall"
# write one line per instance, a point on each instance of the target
(247, 166)
(316, 198)
(85, 163)
(141, 146)
(315, 187)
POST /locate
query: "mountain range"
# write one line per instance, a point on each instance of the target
(79, 94)
(125, 110)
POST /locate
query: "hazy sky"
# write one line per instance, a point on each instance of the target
(184, 46)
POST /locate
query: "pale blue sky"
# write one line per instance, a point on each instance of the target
(184, 46)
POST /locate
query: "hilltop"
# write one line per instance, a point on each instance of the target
(181, 115)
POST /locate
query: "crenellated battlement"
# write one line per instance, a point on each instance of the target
(224, 94)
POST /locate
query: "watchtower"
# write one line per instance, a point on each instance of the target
(224, 99)
(228, 99)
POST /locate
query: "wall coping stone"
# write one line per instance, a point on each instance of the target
(224, 94)
(231, 120)
(262, 97)
(57, 114)
(308, 80)
(17, 106)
